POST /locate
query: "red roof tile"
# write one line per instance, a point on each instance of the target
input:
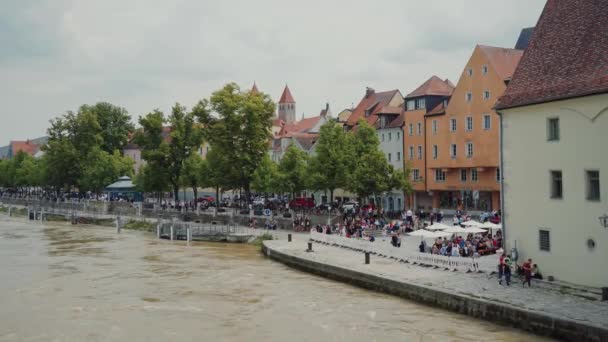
(24, 146)
(301, 126)
(433, 86)
(286, 97)
(567, 55)
(503, 60)
(372, 102)
(398, 121)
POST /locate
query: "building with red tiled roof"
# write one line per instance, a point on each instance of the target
(428, 98)
(22, 146)
(287, 106)
(554, 124)
(371, 103)
(302, 134)
(460, 141)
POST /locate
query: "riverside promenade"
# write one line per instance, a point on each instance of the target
(541, 310)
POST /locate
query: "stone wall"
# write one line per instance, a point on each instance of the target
(540, 324)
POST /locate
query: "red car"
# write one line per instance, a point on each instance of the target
(302, 202)
(207, 199)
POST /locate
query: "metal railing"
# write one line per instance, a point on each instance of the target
(486, 264)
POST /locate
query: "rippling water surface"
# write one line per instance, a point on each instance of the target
(85, 283)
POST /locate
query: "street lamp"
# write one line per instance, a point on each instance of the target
(604, 220)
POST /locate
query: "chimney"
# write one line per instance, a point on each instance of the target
(369, 91)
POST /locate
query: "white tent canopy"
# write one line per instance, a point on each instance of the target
(425, 234)
(455, 230)
(472, 223)
(474, 230)
(437, 226)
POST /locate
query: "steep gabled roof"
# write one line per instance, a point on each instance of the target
(524, 38)
(254, 89)
(567, 56)
(398, 120)
(437, 110)
(503, 60)
(286, 97)
(301, 126)
(24, 146)
(433, 86)
(374, 102)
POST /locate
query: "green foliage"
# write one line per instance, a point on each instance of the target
(292, 171)
(115, 124)
(167, 156)
(139, 225)
(372, 174)
(191, 174)
(261, 238)
(266, 176)
(334, 159)
(104, 169)
(84, 149)
(240, 133)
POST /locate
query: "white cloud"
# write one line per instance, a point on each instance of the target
(148, 54)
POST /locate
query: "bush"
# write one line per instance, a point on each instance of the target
(261, 238)
(140, 225)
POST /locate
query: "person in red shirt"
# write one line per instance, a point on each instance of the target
(527, 273)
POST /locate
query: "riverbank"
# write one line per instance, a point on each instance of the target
(537, 310)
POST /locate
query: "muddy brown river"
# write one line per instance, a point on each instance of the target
(60, 282)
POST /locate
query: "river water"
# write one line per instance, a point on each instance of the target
(60, 282)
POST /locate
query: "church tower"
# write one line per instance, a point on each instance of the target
(287, 107)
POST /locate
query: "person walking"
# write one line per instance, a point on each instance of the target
(527, 273)
(507, 271)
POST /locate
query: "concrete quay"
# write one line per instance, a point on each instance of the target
(537, 309)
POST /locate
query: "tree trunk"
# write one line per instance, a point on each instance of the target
(331, 197)
(217, 200)
(195, 191)
(175, 193)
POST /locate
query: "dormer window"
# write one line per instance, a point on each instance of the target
(411, 105)
(367, 112)
(420, 103)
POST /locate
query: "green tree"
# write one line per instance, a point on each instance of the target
(292, 171)
(372, 174)
(333, 161)
(152, 180)
(240, 132)
(115, 124)
(191, 174)
(266, 176)
(104, 169)
(212, 172)
(167, 156)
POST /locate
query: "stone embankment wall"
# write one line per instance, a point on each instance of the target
(502, 313)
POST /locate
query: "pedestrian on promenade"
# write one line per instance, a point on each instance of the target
(507, 271)
(527, 273)
(501, 264)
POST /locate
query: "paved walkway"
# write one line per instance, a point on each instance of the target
(477, 285)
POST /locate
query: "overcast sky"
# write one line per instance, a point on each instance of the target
(146, 54)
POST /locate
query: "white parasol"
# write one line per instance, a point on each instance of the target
(437, 226)
(472, 223)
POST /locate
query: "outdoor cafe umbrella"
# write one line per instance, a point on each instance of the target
(438, 226)
(491, 225)
(472, 223)
(474, 230)
(455, 230)
(425, 234)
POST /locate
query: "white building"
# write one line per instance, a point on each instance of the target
(554, 121)
(390, 133)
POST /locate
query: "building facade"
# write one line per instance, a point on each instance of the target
(462, 143)
(554, 123)
(429, 97)
(390, 133)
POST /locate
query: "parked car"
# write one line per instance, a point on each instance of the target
(259, 201)
(350, 206)
(302, 202)
(206, 199)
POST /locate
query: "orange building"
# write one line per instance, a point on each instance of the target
(462, 141)
(430, 97)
